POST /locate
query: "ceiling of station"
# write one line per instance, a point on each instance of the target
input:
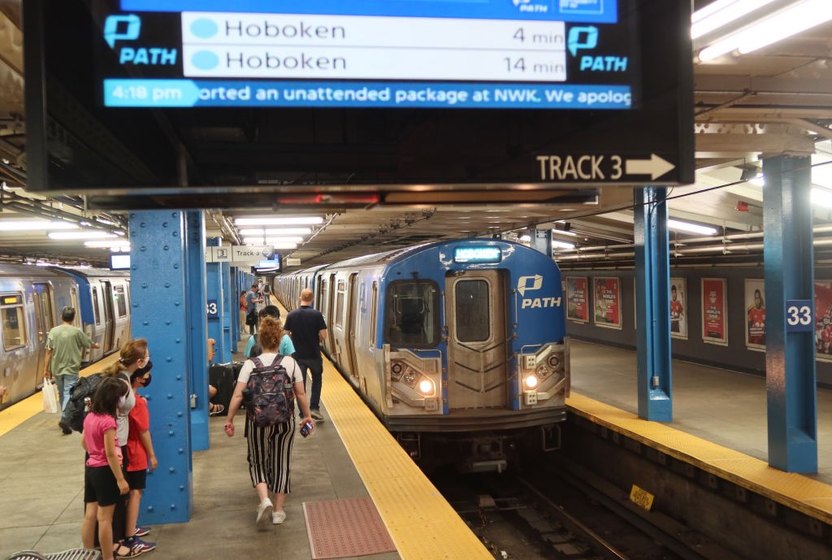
(774, 101)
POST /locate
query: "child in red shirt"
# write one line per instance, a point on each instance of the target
(142, 457)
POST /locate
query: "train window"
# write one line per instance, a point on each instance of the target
(471, 311)
(121, 301)
(340, 296)
(95, 312)
(373, 315)
(14, 324)
(411, 316)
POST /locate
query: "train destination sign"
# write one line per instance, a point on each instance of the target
(133, 97)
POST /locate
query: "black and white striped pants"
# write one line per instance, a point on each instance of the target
(270, 453)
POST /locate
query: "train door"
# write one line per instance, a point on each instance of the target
(44, 320)
(351, 323)
(477, 356)
(328, 316)
(109, 316)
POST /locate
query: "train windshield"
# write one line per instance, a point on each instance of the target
(411, 318)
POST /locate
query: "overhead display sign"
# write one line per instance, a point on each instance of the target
(249, 101)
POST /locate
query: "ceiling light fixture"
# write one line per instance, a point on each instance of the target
(34, 225)
(275, 232)
(822, 197)
(775, 27)
(294, 221)
(562, 245)
(106, 244)
(720, 13)
(73, 235)
(686, 227)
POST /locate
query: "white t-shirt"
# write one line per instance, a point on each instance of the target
(267, 357)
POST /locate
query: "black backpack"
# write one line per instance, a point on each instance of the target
(76, 408)
(269, 396)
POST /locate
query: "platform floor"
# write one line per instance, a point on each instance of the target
(725, 407)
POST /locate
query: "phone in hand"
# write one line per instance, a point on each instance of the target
(305, 429)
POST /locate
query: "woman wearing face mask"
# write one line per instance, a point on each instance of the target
(133, 355)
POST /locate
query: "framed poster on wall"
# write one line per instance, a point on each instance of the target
(823, 320)
(714, 306)
(577, 299)
(679, 308)
(755, 314)
(607, 301)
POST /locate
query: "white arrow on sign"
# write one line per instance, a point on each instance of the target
(655, 166)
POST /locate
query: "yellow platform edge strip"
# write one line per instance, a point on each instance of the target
(18, 413)
(421, 522)
(797, 491)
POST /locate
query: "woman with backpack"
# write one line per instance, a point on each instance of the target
(269, 384)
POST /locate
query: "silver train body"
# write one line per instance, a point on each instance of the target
(31, 300)
(457, 344)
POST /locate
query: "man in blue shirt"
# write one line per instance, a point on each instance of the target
(308, 330)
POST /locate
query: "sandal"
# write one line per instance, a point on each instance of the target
(215, 409)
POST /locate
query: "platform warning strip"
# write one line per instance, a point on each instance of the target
(796, 491)
(14, 416)
(420, 521)
(345, 528)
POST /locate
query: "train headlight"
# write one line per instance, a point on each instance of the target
(531, 381)
(396, 369)
(426, 387)
(553, 361)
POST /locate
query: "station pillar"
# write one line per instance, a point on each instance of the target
(216, 302)
(542, 241)
(228, 309)
(197, 327)
(160, 309)
(790, 315)
(653, 305)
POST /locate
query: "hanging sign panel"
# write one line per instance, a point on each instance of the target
(546, 92)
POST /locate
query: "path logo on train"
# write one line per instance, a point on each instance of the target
(532, 284)
(127, 28)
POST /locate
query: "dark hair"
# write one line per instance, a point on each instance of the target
(105, 399)
(68, 314)
(270, 333)
(140, 372)
(255, 285)
(131, 352)
(269, 311)
(673, 287)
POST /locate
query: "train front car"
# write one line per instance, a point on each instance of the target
(475, 351)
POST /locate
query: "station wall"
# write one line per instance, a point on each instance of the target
(733, 353)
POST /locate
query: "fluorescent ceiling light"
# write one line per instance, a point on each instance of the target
(526, 238)
(691, 228)
(294, 221)
(276, 232)
(284, 245)
(822, 197)
(106, 244)
(566, 233)
(720, 13)
(34, 225)
(64, 235)
(562, 245)
(271, 240)
(798, 17)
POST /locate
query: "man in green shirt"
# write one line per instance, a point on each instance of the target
(64, 347)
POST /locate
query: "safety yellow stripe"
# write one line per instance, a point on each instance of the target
(15, 415)
(419, 519)
(799, 492)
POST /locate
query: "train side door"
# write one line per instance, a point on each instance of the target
(328, 316)
(109, 315)
(477, 357)
(351, 324)
(44, 319)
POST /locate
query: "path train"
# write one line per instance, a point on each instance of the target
(31, 300)
(457, 343)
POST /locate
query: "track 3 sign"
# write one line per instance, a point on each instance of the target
(602, 168)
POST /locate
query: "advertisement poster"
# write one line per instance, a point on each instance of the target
(607, 292)
(679, 308)
(823, 320)
(577, 300)
(714, 320)
(755, 314)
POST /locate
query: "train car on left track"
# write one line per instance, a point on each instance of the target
(31, 300)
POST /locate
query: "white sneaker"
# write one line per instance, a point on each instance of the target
(264, 510)
(278, 517)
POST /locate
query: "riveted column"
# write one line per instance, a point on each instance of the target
(653, 305)
(542, 240)
(197, 327)
(229, 341)
(215, 301)
(790, 337)
(236, 328)
(159, 297)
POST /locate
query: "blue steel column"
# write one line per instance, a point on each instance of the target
(652, 305)
(542, 241)
(789, 275)
(229, 341)
(197, 327)
(235, 315)
(214, 284)
(159, 296)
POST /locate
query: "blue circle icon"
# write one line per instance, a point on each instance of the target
(205, 60)
(204, 28)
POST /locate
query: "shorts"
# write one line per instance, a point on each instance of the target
(137, 480)
(100, 486)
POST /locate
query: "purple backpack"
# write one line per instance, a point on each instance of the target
(270, 398)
